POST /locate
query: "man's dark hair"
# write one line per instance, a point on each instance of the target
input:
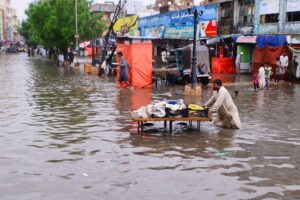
(120, 53)
(218, 82)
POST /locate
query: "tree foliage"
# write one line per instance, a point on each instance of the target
(51, 23)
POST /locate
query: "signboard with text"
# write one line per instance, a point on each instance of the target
(179, 24)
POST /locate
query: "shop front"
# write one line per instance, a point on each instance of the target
(222, 56)
(245, 48)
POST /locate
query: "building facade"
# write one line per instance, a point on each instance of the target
(108, 8)
(258, 16)
(1, 24)
(277, 17)
(164, 6)
(8, 24)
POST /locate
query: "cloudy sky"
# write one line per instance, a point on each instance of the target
(21, 5)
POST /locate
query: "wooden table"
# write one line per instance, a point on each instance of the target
(141, 122)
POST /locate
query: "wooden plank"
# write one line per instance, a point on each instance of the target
(173, 119)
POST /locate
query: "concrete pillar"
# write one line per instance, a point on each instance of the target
(282, 15)
(257, 17)
(236, 12)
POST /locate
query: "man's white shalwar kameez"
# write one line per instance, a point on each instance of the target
(261, 77)
(222, 103)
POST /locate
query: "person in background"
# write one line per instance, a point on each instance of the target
(71, 56)
(61, 59)
(255, 81)
(221, 102)
(293, 70)
(262, 77)
(268, 73)
(284, 61)
(238, 62)
(124, 67)
(278, 70)
(164, 56)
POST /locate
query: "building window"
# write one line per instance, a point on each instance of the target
(293, 16)
(246, 12)
(269, 18)
(226, 14)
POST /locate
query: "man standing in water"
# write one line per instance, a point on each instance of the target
(124, 67)
(221, 102)
(284, 61)
(293, 70)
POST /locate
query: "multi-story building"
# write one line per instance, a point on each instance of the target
(258, 16)
(277, 16)
(8, 23)
(108, 8)
(3, 9)
(1, 24)
(170, 5)
(15, 25)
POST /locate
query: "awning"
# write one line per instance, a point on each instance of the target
(214, 40)
(246, 39)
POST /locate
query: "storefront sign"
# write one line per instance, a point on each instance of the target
(269, 7)
(122, 25)
(180, 32)
(179, 24)
(208, 28)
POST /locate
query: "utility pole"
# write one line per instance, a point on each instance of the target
(194, 59)
(76, 30)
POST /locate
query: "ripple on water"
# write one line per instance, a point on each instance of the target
(61, 128)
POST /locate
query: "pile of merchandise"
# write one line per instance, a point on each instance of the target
(171, 108)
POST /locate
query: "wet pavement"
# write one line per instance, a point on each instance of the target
(66, 135)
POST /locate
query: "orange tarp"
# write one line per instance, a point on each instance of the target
(139, 57)
(223, 65)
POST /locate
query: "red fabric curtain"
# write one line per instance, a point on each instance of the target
(223, 65)
(267, 54)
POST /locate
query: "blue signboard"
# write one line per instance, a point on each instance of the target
(168, 24)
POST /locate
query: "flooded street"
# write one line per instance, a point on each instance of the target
(66, 135)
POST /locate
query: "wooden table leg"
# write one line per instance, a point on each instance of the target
(170, 127)
(198, 125)
(191, 124)
(138, 128)
(165, 126)
(142, 127)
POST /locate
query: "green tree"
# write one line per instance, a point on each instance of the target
(51, 23)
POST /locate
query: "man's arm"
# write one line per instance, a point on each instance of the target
(211, 101)
(219, 101)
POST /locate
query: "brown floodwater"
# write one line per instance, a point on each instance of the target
(66, 135)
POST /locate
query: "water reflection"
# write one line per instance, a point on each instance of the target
(60, 128)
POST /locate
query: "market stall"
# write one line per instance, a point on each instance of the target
(268, 48)
(222, 61)
(170, 111)
(245, 47)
